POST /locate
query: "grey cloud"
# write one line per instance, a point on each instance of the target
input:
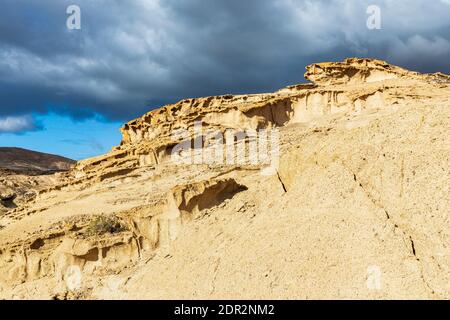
(18, 124)
(131, 56)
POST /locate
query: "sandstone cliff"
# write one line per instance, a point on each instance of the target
(355, 205)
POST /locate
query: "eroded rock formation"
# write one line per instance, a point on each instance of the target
(357, 205)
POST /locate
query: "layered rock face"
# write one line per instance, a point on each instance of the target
(355, 205)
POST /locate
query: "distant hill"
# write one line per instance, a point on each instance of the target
(27, 161)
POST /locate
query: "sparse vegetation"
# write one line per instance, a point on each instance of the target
(105, 224)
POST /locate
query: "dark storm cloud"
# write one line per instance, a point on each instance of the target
(130, 56)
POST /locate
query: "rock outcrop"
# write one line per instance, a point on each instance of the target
(333, 189)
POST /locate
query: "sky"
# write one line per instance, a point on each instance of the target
(68, 91)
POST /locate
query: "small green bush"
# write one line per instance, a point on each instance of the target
(105, 224)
